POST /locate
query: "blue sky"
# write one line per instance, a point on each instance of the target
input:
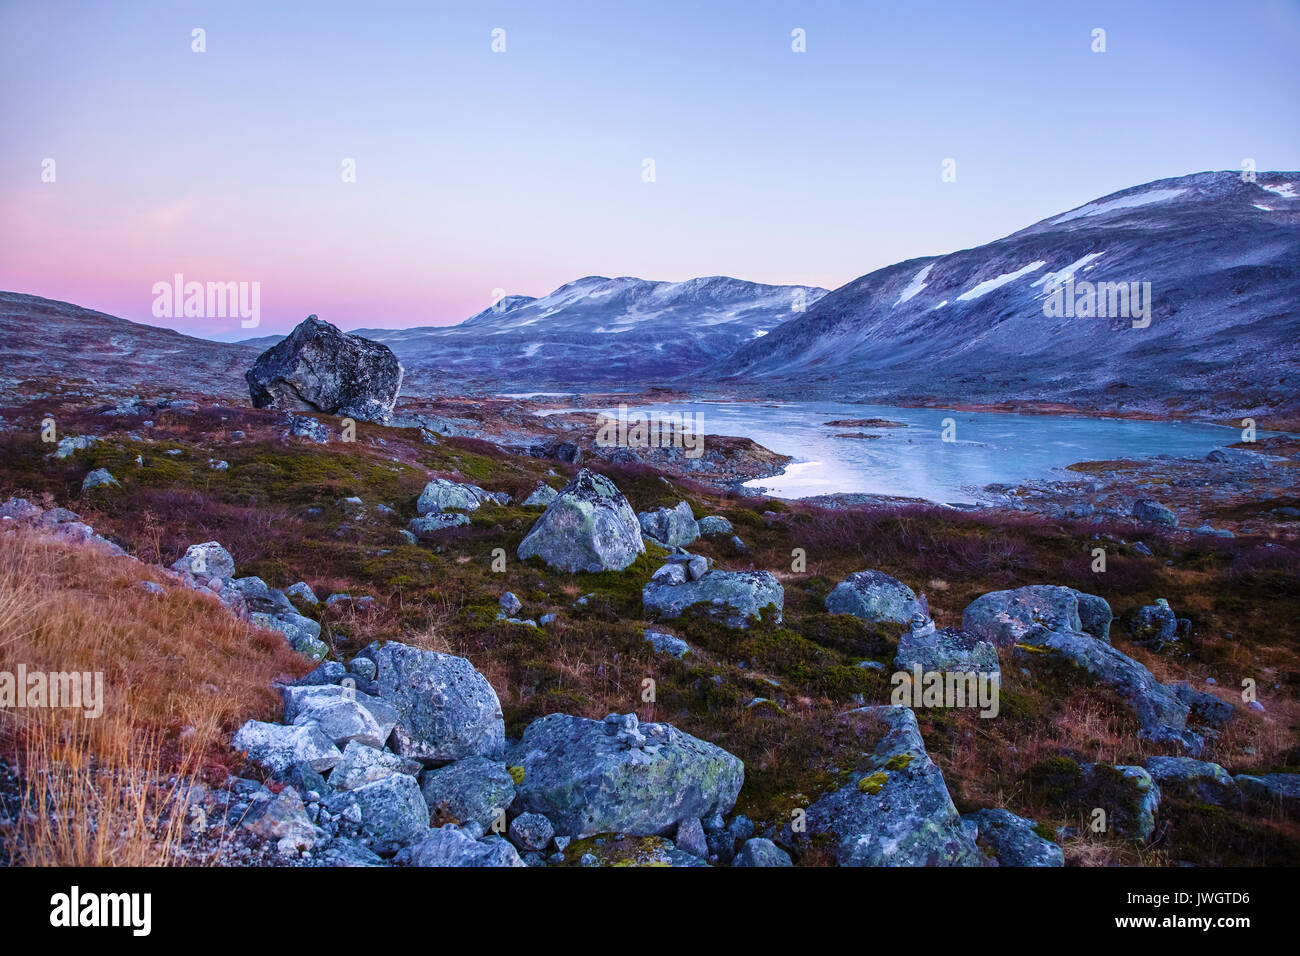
(522, 170)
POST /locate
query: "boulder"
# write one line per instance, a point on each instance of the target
(473, 790)
(281, 819)
(1271, 791)
(1206, 708)
(1154, 625)
(1197, 780)
(944, 649)
(363, 764)
(588, 527)
(1151, 511)
(759, 851)
(450, 846)
(302, 591)
(429, 524)
(346, 719)
(874, 597)
(317, 368)
(446, 709)
(206, 560)
(278, 747)
(1012, 841)
(672, 527)
(541, 496)
(667, 644)
(733, 597)
(1001, 617)
(532, 831)
(714, 524)
(392, 811)
(896, 811)
(1162, 716)
(587, 780)
(1128, 795)
(99, 478)
(441, 495)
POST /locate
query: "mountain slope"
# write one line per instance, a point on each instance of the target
(43, 338)
(1223, 260)
(599, 330)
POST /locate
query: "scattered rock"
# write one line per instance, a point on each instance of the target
(1011, 840)
(1153, 512)
(759, 851)
(733, 597)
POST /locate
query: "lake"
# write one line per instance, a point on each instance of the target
(916, 462)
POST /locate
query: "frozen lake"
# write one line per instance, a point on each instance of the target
(915, 461)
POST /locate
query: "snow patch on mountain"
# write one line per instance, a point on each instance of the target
(988, 285)
(1124, 202)
(915, 286)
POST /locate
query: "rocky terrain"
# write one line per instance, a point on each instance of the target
(481, 656)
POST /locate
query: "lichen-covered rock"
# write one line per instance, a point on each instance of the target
(320, 369)
(1154, 625)
(473, 790)
(206, 560)
(1271, 791)
(99, 478)
(943, 650)
(667, 644)
(441, 495)
(1162, 716)
(1012, 841)
(1153, 512)
(1206, 708)
(672, 527)
(541, 496)
(875, 597)
(532, 831)
(736, 598)
(281, 819)
(424, 525)
(446, 709)
(302, 591)
(894, 812)
(588, 527)
(714, 524)
(392, 811)
(1002, 617)
(759, 851)
(1128, 795)
(587, 780)
(1197, 780)
(450, 846)
(363, 764)
(349, 716)
(278, 747)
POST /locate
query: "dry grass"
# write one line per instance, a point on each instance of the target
(179, 674)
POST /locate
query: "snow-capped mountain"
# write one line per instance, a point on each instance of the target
(1010, 320)
(599, 330)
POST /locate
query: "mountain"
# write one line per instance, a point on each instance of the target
(1222, 257)
(43, 339)
(598, 330)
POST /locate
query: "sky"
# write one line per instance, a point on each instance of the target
(481, 172)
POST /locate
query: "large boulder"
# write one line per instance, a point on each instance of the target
(1012, 840)
(896, 811)
(1197, 780)
(206, 560)
(1271, 791)
(441, 495)
(278, 747)
(589, 777)
(588, 527)
(944, 650)
(473, 790)
(1002, 617)
(450, 846)
(317, 368)
(733, 597)
(671, 527)
(391, 810)
(874, 597)
(1160, 712)
(1129, 796)
(446, 710)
